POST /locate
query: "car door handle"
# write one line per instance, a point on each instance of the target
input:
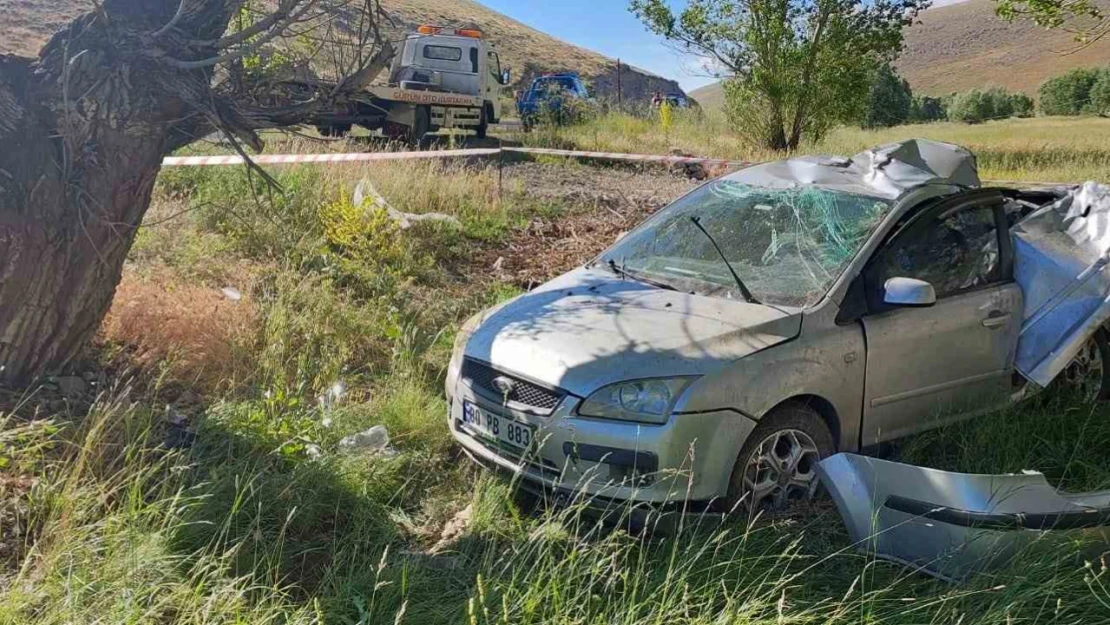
(996, 319)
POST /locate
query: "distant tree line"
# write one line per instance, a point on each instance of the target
(891, 101)
(1078, 92)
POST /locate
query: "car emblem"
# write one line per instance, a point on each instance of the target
(504, 384)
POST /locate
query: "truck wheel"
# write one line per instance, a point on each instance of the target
(1088, 376)
(776, 467)
(421, 124)
(334, 130)
(483, 124)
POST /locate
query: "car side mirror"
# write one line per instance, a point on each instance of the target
(909, 292)
(506, 76)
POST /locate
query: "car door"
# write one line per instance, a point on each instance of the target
(931, 365)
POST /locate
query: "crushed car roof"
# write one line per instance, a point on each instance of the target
(887, 171)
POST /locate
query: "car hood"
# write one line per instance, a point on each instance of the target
(589, 328)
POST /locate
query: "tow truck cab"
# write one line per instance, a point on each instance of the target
(451, 60)
(439, 78)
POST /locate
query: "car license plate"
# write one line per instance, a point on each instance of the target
(498, 427)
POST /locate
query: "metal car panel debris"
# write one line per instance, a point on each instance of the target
(1061, 254)
(887, 171)
(952, 525)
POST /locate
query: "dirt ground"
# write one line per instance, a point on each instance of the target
(599, 204)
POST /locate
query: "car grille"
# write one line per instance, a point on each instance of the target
(481, 376)
(531, 462)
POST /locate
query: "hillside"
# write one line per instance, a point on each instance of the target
(29, 23)
(960, 46)
(965, 45)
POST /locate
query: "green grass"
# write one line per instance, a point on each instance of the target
(1039, 149)
(266, 520)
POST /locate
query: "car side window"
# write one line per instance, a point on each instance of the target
(954, 251)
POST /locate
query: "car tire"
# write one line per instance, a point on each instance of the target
(1089, 374)
(792, 428)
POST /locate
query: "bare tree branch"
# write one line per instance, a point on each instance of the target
(173, 21)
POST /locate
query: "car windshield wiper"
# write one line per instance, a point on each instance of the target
(739, 283)
(639, 277)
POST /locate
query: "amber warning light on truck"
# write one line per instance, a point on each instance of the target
(427, 29)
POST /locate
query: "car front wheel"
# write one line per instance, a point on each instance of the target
(1088, 375)
(776, 467)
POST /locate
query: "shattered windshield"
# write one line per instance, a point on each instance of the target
(787, 245)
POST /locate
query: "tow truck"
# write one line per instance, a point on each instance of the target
(440, 78)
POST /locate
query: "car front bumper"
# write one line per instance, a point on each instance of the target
(688, 459)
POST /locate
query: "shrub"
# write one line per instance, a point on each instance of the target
(889, 100)
(925, 109)
(980, 105)
(1067, 94)
(1100, 94)
(1022, 105)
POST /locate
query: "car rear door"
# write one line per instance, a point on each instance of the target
(927, 366)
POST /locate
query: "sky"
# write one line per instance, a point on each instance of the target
(606, 26)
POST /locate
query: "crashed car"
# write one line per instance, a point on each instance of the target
(767, 320)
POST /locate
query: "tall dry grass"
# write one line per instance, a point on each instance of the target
(198, 334)
(1039, 149)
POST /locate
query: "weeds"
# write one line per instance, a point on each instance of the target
(345, 323)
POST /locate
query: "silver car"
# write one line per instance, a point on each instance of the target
(763, 321)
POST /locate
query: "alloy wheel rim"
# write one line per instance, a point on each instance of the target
(1086, 371)
(781, 471)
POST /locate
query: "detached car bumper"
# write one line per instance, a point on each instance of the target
(689, 458)
(952, 525)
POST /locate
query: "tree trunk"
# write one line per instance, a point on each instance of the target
(83, 131)
(70, 205)
(804, 93)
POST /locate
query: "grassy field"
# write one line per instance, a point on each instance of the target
(1039, 149)
(345, 321)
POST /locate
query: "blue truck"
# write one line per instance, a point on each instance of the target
(556, 98)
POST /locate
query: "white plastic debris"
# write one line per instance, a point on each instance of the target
(312, 450)
(365, 192)
(231, 293)
(375, 439)
(332, 397)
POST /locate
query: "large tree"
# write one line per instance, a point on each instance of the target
(792, 67)
(889, 101)
(84, 128)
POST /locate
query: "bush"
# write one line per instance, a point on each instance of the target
(1100, 94)
(925, 109)
(889, 101)
(1022, 105)
(1068, 94)
(980, 105)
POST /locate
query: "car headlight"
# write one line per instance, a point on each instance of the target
(646, 401)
